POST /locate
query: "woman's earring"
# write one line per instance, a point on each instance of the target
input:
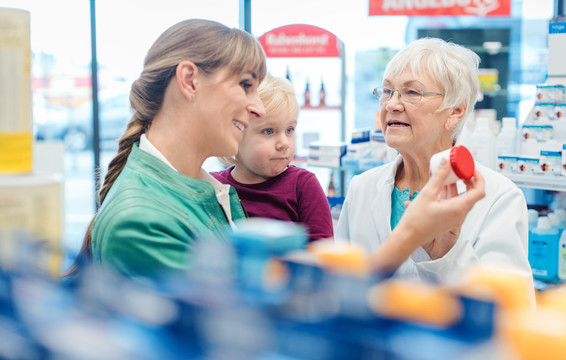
(193, 96)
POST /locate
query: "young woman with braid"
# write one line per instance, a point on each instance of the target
(196, 94)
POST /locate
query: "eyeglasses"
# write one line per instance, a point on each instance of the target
(407, 94)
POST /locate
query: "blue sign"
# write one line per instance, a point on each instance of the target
(557, 28)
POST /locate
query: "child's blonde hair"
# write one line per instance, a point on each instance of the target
(276, 94)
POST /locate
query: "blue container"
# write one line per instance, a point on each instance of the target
(543, 250)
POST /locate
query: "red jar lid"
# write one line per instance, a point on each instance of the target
(462, 162)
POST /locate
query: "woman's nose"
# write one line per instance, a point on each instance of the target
(394, 103)
(256, 108)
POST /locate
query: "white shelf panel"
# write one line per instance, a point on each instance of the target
(539, 182)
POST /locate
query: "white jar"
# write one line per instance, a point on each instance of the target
(460, 160)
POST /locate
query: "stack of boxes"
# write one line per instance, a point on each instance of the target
(367, 149)
(326, 154)
(542, 137)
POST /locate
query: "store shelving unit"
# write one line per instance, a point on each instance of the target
(538, 182)
(556, 76)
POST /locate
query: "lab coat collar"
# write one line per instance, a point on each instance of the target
(381, 205)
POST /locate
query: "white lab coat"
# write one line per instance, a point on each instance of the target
(495, 231)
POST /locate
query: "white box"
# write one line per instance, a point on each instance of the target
(325, 160)
(551, 162)
(528, 165)
(360, 136)
(507, 164)
(319, 148)
(357, 149)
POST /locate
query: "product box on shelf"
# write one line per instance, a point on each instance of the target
(360, 136)
(319, 148)
(551, 162)
(507, 163)
(550, 94)
(355, 152)
(537, 132)
(545, 112)
(326, 154)
(380, 149)
(357, 149)
(528, 165)
(325, 160)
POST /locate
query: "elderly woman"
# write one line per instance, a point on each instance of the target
(429, 90)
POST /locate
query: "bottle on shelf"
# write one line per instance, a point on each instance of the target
(331, 192)
(533, 218)
(562, 257)
(322, 93)
(482, 143)
(544, 250)
(288, 74)
(307, 94)
(16, 126)
(507, 137)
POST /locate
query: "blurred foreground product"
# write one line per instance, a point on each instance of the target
(539, 334)
(32, 204)
(506, 287)
(526, 330)
(413, 301)
(340, 257)
(15, 92)
(222, 308)
(258, 242)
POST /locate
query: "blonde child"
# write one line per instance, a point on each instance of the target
(266, 183)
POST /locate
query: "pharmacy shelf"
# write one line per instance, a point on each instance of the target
(323, 107)
(539, 182)
(339, 168)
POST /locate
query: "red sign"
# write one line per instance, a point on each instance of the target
(440, 7)
(300, 40)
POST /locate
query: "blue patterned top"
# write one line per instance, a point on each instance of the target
(398, 198)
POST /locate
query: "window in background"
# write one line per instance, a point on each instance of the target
(61, 72)
(125, 33)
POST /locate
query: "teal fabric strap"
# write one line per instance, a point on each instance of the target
(398, 198)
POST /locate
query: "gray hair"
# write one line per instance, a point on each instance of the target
(451, 65)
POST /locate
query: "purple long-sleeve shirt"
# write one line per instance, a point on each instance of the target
(294, 195)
